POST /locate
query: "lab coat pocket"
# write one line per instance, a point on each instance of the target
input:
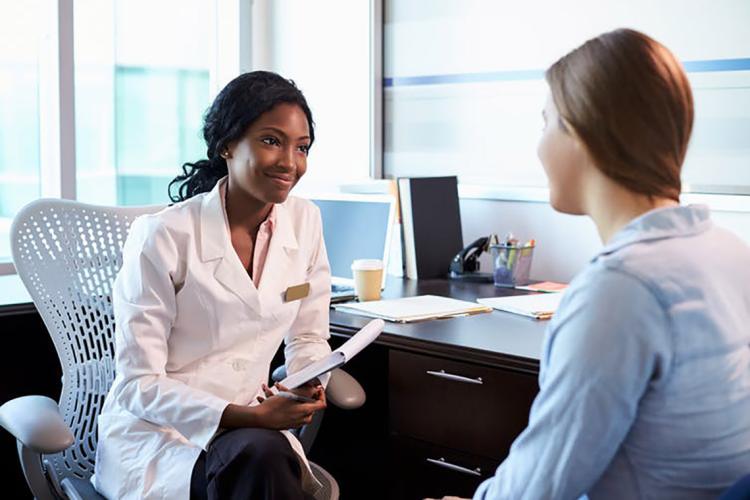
(117, 454)
(195, 328)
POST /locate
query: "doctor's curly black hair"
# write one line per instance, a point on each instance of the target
(236, 107)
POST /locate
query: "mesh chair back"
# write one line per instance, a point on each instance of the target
(68, 254)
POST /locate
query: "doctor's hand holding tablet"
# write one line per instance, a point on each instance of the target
(277, 411)
(292, 402)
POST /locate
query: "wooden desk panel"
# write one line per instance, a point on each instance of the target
(480, 413)
(502, 348)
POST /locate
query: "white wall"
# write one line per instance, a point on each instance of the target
(565, 243)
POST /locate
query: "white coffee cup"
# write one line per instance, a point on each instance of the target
(368, 277)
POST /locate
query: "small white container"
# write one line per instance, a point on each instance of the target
(368, 277)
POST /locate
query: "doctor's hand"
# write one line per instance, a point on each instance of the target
(273, 412)
(277, 412)
(308, 390)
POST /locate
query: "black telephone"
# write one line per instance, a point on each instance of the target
(465, 265)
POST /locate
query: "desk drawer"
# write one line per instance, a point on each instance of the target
(422, 470)
(458, 405)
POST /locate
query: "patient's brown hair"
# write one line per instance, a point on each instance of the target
(629, 101)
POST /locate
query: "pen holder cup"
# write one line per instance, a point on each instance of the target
(511, 264)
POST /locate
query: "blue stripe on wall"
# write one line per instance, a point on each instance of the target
(709, 65)
(717, 65)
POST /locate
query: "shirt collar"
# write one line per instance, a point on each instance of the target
(214, 233)
(660, 223)
(268, 224)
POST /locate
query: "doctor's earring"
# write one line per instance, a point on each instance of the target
(225, 154)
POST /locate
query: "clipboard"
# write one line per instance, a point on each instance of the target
(337, 358)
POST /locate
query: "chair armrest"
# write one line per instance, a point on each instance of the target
(36, 422)
(279, 374)
(344, 391)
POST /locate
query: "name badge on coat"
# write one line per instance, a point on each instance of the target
(297, 292)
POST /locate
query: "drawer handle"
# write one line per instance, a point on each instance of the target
(456, 378)
(442, 463)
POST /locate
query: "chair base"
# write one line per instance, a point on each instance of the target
(330, 489)
(80, 489)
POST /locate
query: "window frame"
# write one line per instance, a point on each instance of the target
(377, 111)
(720, 198)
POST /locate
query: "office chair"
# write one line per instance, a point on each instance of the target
(68, 254)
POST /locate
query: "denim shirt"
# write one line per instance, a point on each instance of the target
(645, 371)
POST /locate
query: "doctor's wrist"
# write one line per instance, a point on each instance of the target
(237, 416)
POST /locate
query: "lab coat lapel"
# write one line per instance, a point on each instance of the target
(216, 244)
(282, 250)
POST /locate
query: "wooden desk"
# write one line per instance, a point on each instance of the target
(446, 398)
(381, 450)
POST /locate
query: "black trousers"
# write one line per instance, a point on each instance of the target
(248, 464)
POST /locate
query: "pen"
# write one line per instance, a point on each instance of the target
(295, 397)
(511, 258)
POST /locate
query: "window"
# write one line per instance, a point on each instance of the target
(131, 78)
(324, 47)
(142, 86)
(23, 49)
(464, 83)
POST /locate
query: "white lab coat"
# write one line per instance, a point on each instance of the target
(194, 334)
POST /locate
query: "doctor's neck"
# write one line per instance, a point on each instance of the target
(245, 211)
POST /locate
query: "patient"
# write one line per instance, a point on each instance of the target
(645, 370)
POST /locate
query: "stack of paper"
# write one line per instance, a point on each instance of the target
(413, 308)
(538, 306)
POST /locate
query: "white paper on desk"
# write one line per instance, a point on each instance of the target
(417, 308)
(337, 358)
(538, 306)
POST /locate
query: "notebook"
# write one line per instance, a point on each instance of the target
(408, 309)
(431, 224)
(537, 306)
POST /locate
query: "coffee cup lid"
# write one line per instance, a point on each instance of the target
(367, 265)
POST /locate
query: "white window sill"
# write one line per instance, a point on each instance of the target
(12, 291)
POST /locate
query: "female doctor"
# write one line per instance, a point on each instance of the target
(208, 289)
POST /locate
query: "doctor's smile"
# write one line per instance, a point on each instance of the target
(271, 157)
